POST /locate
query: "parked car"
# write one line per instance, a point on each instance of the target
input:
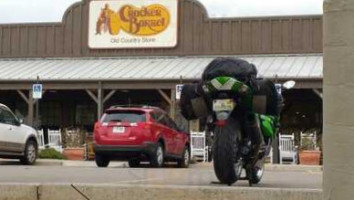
(17, 141)
(136, 134)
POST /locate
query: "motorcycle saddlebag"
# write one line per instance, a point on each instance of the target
(266, 99)
(237, 68)
(193, 102)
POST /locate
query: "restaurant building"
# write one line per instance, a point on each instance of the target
(107, 53)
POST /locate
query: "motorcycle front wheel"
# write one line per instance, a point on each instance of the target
(226, 152)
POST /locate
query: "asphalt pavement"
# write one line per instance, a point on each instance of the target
(200, 174)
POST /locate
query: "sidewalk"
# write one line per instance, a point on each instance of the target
(147, 192)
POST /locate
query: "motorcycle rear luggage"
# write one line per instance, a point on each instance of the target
(237, 68)
(193, 102)
(266, 99)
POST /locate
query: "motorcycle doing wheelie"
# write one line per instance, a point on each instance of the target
(243, 114)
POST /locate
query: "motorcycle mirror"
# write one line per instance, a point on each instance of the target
(289, 84)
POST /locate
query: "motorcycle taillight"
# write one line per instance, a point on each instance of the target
(220, 123)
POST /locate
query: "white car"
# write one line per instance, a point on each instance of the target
(17, 141)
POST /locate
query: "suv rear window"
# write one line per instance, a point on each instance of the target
(124, 116)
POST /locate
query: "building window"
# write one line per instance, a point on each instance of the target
(85, 115)
(51, 114)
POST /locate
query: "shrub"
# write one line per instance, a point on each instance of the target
(73, 137)
(51, 154)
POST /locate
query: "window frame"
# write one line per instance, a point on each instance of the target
(141, 113)
(14, 122)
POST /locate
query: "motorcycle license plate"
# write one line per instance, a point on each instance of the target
(118, 129)
(223, 105)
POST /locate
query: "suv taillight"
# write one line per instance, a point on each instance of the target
(145, 125)
(97, 125)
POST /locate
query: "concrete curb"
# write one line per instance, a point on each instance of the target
(85, 191)
(19, 191)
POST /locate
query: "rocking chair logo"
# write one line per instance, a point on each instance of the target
(122, 25)
(149, 20)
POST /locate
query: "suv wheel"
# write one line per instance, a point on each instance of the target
(134, 163)
(101, 161)
(158, 157)
(184, 161)
(30, 153)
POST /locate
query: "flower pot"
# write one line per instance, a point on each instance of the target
(74, 153)
(90, 153)
(309, 157)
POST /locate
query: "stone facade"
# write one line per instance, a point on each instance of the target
(338, 99)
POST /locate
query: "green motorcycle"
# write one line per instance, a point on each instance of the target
(234, 149)
(244, 120)
(242, 113)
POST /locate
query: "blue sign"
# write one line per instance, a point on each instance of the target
(278, 87)
(178, 91)
(37, 90)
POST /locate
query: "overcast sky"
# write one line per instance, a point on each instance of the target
(20, 11)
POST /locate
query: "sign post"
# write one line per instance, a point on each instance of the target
(37, 92)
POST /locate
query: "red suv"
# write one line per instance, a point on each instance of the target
(139, 134)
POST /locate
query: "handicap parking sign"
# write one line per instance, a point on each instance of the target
(278, 87)
(178, 91)
(37, 91)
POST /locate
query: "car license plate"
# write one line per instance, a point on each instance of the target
(223, 105)
(118, 129)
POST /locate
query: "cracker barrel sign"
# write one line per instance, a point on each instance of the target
(133, 24)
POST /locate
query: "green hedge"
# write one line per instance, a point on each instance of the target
(51, 154)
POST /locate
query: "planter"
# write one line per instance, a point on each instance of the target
(90, 153)
(309, 157)
(74, 153)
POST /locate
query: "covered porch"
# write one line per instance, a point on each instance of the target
(71, 105)
(77, 90)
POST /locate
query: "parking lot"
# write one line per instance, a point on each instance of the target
(201, 174)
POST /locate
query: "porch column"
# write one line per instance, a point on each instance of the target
(170, 100)
(100, 99)
(338, 98)
(318, 93)
(30, 102)
(173, 104)
(109, 95)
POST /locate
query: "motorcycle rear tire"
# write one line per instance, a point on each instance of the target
(226, 151)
